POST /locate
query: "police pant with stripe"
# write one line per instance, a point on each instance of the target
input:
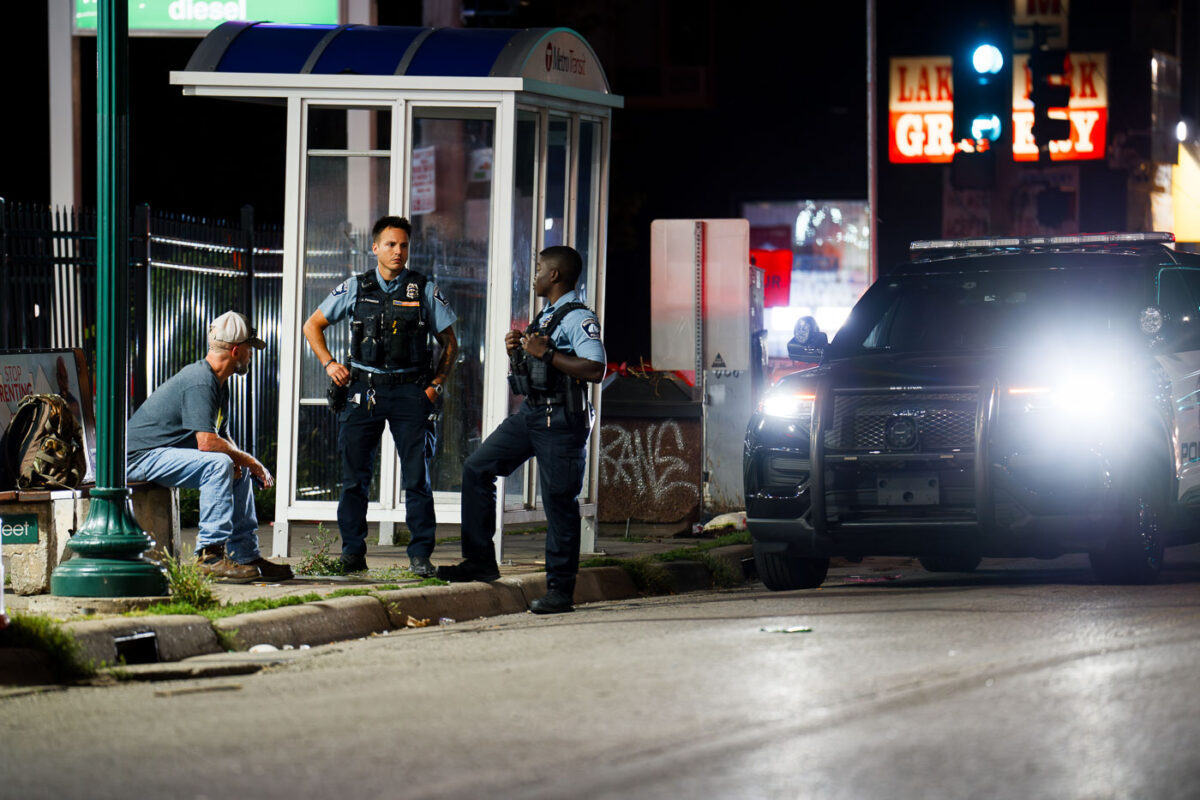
(558, 440)
(406, 410)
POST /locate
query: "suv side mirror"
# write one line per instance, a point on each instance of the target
(808, 342)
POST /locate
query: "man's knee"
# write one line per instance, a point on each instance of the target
(218, 465)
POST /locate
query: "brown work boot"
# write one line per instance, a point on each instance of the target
(213, 561)
(271, 571)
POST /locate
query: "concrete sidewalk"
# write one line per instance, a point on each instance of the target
(154, 646)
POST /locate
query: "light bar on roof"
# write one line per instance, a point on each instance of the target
(1042, 241)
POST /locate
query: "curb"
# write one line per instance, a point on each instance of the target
(172, 638)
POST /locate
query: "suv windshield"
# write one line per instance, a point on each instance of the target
(993, 309)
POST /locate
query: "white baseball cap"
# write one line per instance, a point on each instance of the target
(233, 328)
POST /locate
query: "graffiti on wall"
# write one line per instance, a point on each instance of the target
(648, 470)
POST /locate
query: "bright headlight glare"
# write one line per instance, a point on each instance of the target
(1086, 395)
(789, 404)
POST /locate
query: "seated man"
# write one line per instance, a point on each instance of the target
(180, 437)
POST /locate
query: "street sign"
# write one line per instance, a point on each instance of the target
(19, 529)
(198, 17)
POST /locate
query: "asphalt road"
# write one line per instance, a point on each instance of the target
(1022, 680)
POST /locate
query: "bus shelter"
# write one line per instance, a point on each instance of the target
(495, 144)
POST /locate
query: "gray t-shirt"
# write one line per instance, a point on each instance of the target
(192, 400)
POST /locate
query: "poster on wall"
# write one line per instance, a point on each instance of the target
(62, 372)
(424, 180)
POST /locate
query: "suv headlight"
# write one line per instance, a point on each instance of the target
(789, 403)
(1086, 395)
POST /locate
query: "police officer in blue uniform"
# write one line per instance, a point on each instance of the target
(394, 314)
(552, 363)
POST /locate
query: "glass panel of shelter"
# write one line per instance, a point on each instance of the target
(571, 189)
(450, 206)
(348, 163)
(526, 178)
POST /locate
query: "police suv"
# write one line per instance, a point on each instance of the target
(1016, 397)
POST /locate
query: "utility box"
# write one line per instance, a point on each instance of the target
(706, 310)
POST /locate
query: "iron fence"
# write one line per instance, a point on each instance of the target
(184, 272)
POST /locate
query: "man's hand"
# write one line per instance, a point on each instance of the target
(338, 373)
(512, 339)
(264, 476)
(536, 344)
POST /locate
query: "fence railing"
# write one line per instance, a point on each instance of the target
(184, 272)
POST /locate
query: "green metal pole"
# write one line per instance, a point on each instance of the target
(110, 543)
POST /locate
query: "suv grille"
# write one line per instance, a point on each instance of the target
(944, 421)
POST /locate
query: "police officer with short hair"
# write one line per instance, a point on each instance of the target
(394, 313)
(552, 363)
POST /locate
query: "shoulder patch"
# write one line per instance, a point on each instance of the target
(341, 288)
(591, 327)
(437, 295)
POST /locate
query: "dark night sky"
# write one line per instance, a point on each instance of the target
(788, 121)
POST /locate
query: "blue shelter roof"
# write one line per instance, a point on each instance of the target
(264, 47)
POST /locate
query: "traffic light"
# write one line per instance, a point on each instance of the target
(982, 104)
(1048, 89)
(983, 87)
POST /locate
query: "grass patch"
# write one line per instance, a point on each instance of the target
(649, 576)
(692, 553)
(316, 558)
(647, 573)
(188, 584)
(36, 632)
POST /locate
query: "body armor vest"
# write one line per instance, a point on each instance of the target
(391, 331)
(540, 382)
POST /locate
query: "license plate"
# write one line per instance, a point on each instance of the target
(907, 490)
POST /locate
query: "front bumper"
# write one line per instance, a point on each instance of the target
(982, 497)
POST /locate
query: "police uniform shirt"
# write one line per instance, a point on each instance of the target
(579, 331)
(340, 302)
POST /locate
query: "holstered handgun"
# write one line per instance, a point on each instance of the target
(518, 379)
(336, 396)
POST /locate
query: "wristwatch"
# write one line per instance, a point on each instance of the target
(437, 388)
(548, 356)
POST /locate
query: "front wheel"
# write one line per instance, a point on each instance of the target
(781, 572)
(1133, 553)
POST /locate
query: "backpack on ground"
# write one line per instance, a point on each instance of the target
(43, 446)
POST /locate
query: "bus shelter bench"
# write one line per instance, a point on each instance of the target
(36, 524)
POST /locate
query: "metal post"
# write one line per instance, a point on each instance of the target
(110, 543)
(141, 295)
(5, 273)
(249, 309)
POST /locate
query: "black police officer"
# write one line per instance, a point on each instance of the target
(552, 363)
(391, 378)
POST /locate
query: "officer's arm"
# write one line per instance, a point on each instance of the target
(314, 332)
(585, 369)
(449, 343)
(582, 368)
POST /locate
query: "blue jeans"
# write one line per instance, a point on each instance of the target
(227, 513)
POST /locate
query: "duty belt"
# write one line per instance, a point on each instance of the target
(387, 378)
